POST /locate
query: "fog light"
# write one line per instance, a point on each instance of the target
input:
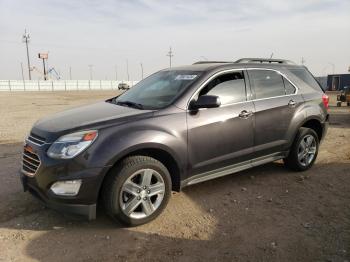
(66, 188)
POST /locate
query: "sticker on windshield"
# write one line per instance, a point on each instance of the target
(185, 77)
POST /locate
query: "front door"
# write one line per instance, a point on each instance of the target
(223, 136)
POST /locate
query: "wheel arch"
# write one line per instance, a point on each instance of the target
(159, 152)
(313, 123)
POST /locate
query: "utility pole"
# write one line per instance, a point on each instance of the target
(302, 60)
(90, 71)
(44, 69)
(141, 70)
(116, 72)
(271, 55)
(44, 56)
(70, 73)
(25, 39)
(22, 71)
(127, 69)
(170, 54)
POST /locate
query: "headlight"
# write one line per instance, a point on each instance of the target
(71, 145)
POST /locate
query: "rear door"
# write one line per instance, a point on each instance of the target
(275, 100)
(223, 136)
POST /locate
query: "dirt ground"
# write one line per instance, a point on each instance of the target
(264, 214)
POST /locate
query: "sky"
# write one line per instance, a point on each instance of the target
(109, 34)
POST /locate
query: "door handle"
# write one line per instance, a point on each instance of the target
(292, 103)
(245, 114)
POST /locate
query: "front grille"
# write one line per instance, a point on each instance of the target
(36, 139)
(30, 162)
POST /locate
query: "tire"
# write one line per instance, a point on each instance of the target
(301, 158)
(348, 103)
(127, 190)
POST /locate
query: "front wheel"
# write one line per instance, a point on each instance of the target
(304, 150)
(137, 190)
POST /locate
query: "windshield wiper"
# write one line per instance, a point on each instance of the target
(130, 104)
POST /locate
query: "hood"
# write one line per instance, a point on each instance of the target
(89, 116)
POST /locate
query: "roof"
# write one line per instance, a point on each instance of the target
(241, 63)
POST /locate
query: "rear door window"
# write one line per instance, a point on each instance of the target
(229, 87)
(266, 83)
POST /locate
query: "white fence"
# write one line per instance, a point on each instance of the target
(60, 85)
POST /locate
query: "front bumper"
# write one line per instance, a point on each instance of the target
(51, 170)
(82, 205)
(86, 211)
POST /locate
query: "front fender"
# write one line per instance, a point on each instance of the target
(113, 144)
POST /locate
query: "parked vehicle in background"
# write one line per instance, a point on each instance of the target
(178, 127)
(344, 96)
(123, 86)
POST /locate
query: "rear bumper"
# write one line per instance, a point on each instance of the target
(325, 126)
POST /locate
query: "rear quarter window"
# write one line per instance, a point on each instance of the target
(305, 76)
(289, 88)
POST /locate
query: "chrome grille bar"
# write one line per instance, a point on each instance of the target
(30, 163)
(36, 140)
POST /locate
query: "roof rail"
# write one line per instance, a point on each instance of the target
(265, 60)
(211, 62)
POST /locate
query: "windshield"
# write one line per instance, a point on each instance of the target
(158, 90)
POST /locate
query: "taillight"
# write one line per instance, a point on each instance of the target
(325, 100)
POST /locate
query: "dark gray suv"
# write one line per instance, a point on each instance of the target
(178, 127)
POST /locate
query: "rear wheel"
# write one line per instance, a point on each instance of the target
(304, 150)
(137, 190)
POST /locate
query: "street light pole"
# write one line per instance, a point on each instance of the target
(90, 71)
(333, 67)
(170, 54)
(127, 69)
(141, 70)
(26, 39)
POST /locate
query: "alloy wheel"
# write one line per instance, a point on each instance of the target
(307, 150)
(142, 193)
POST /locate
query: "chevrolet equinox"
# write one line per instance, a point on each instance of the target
(178, 127)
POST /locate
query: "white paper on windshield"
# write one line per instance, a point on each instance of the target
(185, 77)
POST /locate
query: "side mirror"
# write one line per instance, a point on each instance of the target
(205, 101)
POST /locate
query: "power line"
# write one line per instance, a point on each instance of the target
(170, 54)
(25, 39)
